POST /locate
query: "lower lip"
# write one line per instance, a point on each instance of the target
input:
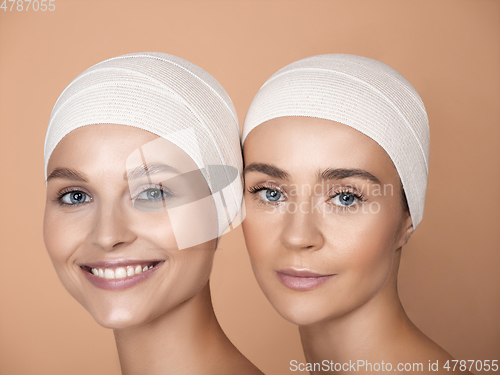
(302, 283)
(120, 284)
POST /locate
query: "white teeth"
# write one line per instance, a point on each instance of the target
(120, 272)
(109, 274)
(130, 271)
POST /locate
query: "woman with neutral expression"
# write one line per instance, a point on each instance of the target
(336, 159)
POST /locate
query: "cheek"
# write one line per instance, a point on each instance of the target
(189, 268)
(187, 225)
(365, 252)
(259, 238)
(194, 269)
(61, 236)
(155, 229)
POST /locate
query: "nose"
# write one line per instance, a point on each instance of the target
(112, 227)
(301, 229)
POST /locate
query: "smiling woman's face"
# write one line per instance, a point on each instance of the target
(324, 219)
(114, 194)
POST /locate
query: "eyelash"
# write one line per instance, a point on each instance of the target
(348, 190)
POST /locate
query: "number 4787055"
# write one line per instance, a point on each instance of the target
(24, 5)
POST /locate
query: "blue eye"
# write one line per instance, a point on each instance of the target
(153, 194)
(345, 199)
(74, 198)
(271, 195)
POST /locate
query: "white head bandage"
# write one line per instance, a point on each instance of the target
(167, 96)
(365, 94)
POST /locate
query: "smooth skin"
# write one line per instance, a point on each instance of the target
(165, 324)
(349, 227)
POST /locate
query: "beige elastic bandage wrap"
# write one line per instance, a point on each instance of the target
(365, 94)
(167, 96)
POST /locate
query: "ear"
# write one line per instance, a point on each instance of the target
(406, 231)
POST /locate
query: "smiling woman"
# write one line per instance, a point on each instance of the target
(143, 170)
(336, 152)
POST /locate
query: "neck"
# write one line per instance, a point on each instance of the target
(376, 331)
(186, 340)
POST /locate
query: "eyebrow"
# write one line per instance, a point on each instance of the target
(268, 169)
(68, 174)
(341, 173)
(327, 174)
(137, 172)
(146, 170)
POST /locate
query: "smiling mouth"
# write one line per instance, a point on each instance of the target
(121, 272)
(120, 275)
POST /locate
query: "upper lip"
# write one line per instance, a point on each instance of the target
(118, 263)
(302, 272)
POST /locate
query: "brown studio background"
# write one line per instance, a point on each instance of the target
(448, 49)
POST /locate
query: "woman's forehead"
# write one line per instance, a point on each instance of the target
(116, 147)
(313, 145)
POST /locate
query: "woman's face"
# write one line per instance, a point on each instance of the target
(324, 219)
(114, 218)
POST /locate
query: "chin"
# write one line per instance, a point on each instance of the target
(299, 312)
(308, 309)
(117, 319)
(299, 318)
